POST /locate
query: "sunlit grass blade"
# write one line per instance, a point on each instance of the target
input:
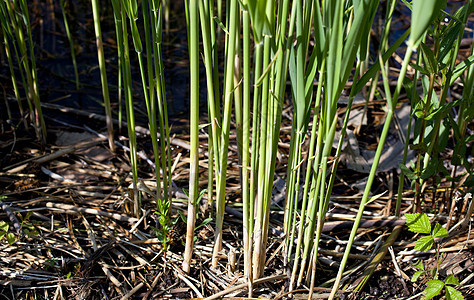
(119, 34)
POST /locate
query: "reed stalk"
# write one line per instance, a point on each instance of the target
(212, 80)
(165, 151)
(62, 3)
(152, 81)
(391, 103)
(124, 60)
(270, 70)
(117, 8)
(193, 46)
(246, 144)
(221, 166)
(103, 73)
(40, 125)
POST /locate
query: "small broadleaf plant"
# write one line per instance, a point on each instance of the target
(419, 223)
(27, 227)
(4, 233)
(163, 218)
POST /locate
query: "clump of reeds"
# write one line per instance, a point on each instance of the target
(150, 64)
(19, 46)
(261, 44)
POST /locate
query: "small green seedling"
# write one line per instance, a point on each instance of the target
(27, 225)
(419, 223)
(27, 228)
(164, 220)
(4, 233)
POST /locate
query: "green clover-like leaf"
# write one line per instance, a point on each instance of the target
(424, 243)
(453, 294)
(452, 280)
(408, 173)
(430, 169)
(418, 223)
(419, 265)
(4, 226)
(434, 288)
(206, 221)
(10, 238)
(430, 62)
(417, 275)
(439, 231)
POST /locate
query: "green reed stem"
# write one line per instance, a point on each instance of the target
(391, 103)
(193, 34)
(103, 73)
(157, 23)
(116, 4)
(224, 139)
(18, 15)
(246, 142)
(71, 41)
(207, 26)
(39, 120)
(123, 45)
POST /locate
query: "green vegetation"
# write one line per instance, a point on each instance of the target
(419, 223)
(24, 229)
(16, 29)
(152, 79)
(164, 220)
(437, 66)
(324, 49)
(71, 41)
(4, 233)
(103, 72)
